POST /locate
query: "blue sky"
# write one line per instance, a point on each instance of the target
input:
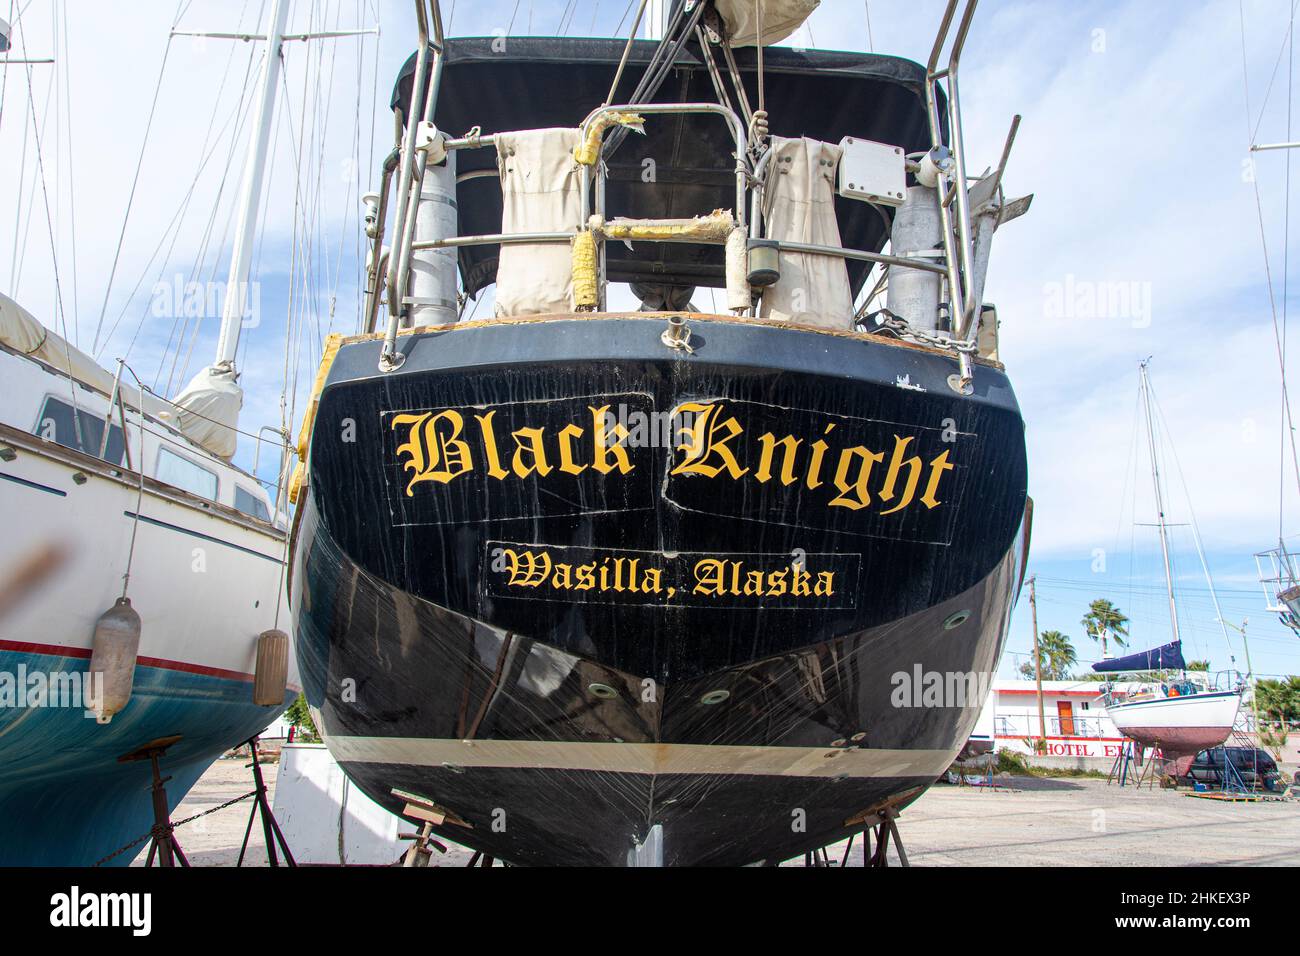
(1134, 142)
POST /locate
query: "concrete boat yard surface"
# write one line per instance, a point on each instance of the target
(1025, 821)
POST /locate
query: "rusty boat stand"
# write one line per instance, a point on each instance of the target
(162, 843)
(162, 835)
(880, 828)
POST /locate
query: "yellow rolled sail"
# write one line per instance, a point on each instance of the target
(588, 151)
(586, 285)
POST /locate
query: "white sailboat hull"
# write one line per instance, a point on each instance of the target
(1179, 726)
(204, 579)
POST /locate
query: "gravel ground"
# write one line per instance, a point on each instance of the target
(1023, 821)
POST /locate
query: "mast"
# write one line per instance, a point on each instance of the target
(241, 259)
(1160, 502)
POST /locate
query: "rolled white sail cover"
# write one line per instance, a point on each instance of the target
(799, 206)
(23, 332)
(779, 19)
(208, 410)
(541, 191)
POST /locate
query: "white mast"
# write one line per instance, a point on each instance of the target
(658, 13)
(241, 259)
(208, 408)
(1160, 502)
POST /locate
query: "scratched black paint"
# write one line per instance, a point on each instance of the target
(437, 652)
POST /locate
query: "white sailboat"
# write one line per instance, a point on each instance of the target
(1179, 716)
(155, 525)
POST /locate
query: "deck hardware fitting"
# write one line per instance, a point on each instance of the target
(677, 335)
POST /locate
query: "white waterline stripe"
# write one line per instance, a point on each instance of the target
(643, 758)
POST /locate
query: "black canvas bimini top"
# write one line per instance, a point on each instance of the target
(514, 83)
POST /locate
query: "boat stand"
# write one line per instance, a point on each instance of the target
(1131, 767)
(270, 828)
(429, 814)
(883, 831)
(876, 838)
(162, 844)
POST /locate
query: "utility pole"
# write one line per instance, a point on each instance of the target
(1038, 667)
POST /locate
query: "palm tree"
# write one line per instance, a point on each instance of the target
(1105, 621)
(1278, 700)
(1055, 657)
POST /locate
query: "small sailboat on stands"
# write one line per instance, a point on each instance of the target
(155, 628)
(1180, 716)
(663, 587)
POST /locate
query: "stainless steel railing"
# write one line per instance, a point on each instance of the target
(958, 267)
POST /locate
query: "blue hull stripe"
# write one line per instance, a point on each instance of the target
(65, 800)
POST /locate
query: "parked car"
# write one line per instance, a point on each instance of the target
(1255, 769)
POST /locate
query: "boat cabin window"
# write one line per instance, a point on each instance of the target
(251, 504)
(186, 475)
(84, 432)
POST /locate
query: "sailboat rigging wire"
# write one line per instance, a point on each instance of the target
(1191, 516)
(567, 14)
(54, 251)
(627, 49)
(135, 181)
(618, 30)
(201, 258)
(57, 91)
(173, 225)
(176, 377)
(23, 226)
(661, 62)
(1286, 270)
(1268, 273)
(181, 319)
(1268, 91)
(4, 74)
(139, 496)
(738, 83)
(62, 59)
(719, 90)
(1130, 468)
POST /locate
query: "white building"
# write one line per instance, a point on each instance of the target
(1075, 723)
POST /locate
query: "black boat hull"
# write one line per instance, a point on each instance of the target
(730, 635)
